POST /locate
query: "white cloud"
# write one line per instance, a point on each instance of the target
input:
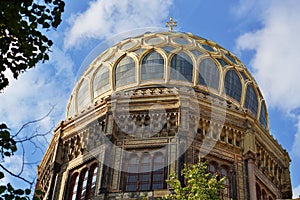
(246, 8)
(105, 18)
(277, 62)
(296, 192)
(296, 144)
(32, 95)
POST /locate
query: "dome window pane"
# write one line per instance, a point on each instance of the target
(83, 95)
(181, 67)
(233, 85)
(263, 115)
(230, 58)
(139, 51)
(152, 66)
(181, 41)
(125, 72)
(71, 108)
(209, 74)
(128, 45)
(208, 48)
(101, 81)
(251, 100)
(196, 53)
(244, 75)
(222, 62)
(154, 41)
(168, 49)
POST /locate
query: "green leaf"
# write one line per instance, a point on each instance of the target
(2, 189)
(19, 192)
(1, 175)
(5, 134)
(27, 191)
(25, 22)
(8, 154)
(9, 187)
(39, 192)
(3, 126)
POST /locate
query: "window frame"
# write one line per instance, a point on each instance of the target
(263, 115)
(118, 79)
(181, 67)
(233, 86)
(98, 90)
(250, 99)
(209, 73)
(83, 175)
(138, 181)
(155, 63)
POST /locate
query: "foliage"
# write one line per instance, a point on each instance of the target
(199, 184)
(23, 44)
(7, 144)
(7, 148)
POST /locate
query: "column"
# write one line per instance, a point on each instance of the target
(249, 158)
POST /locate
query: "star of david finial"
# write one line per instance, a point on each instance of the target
(171, 24)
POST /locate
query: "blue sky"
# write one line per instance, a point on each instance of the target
(262, 33)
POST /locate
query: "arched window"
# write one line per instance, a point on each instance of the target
(226, 191)
(132, 176)
(71, 108)
(212, 168)
(233, 85)
(145, 173)
(263, 115)
(74, 186)
(209, 74)
(83, 183)
(101, 81)
(181, 67)
(264, 195)
(92, 181)
(125, 72)
(152, 66)
(158, 172)
(258, 192)
(251, 101)
(83, 95)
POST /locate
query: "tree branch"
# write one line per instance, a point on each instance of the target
(17, 176)
(33, 121)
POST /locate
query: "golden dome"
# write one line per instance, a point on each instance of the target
(169, 58)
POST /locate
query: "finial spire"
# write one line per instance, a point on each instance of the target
(171, 24)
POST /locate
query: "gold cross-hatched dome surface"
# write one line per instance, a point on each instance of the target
(172, 58)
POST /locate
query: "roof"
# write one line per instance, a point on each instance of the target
(169, 58)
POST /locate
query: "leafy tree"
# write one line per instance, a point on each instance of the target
(22, 46)
(200, 185)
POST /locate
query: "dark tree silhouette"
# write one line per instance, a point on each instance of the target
(23, 44)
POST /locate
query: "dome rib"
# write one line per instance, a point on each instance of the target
(155, 54)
